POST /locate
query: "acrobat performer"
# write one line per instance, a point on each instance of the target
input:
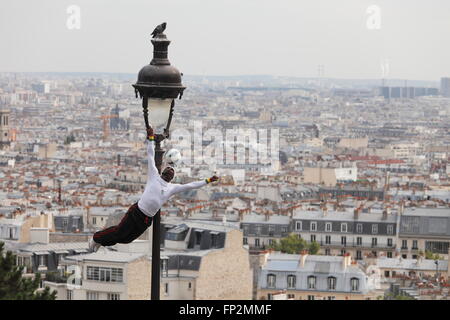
(140, 215)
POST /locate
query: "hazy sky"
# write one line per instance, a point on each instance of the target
(232, 37)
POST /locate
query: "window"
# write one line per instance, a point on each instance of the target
(343, 240)
(214, 240)
(91, 295)
(313, 237)
(94, 220)
(291, 280)
(313, 226)
(43, 260)
(284, 229)
(331, 283)
(374, 242)
(343, 252)
(69, 295)
(311, 282)
(65, 222)
(271, 279)
(190, 286)
(291, 296)
(389, 254)
(414, 245)
(270, 242)
(390, 229)
(164, 267)
(374, 228)
(198, 237)
(358, 255)
(404, 244)
(328, 227)
(310, 297)
(389, 242)
(437, 246)
(269, 296)
(386, 274)
(327, 252)
(298, 225)
(113, 296)
(166, 288)
(354, 284)
(359, 241)
(331, 298)
(257, 243)
(104, 274)
(245, 241)
(359, 228)
(343, 227)
(327, 239)
(271, 230)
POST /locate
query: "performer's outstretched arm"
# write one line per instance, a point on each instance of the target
(177, 188)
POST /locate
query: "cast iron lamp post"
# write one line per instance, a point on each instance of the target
(158, 85)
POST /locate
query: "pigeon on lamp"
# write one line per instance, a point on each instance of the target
(159, 29)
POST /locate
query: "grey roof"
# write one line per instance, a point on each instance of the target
(105, 255)
(426, 222)
(55, 246)
(429, 212)
(207, 225)
(106, 211)
(261, 219)
(343, 216)
(321, 267)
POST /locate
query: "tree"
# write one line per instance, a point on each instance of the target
(432, 256)
(293, 244)
(70, 138)
(13, 286)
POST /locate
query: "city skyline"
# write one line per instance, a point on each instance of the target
(352, 41)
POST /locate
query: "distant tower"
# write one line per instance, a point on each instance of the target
(4, 129)
(445, 87)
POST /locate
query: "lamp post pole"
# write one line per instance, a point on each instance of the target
(159, 84)
(156, 234)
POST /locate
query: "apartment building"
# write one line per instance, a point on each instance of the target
(357, 233)
(18, 227)
(398, 267)
(315, 277)
(199, 260)
(329, 176)
(39, 255)
(424, 229)
(260, 231)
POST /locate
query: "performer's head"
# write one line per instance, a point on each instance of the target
(167, 174)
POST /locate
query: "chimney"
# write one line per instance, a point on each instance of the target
(346, 261)
(324, 209)
(356, 214)
(303, 255)
(385, 214)
(39, 235)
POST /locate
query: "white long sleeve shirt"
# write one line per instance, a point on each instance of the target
(157, 191)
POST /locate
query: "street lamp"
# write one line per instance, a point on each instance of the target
(158, 85)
